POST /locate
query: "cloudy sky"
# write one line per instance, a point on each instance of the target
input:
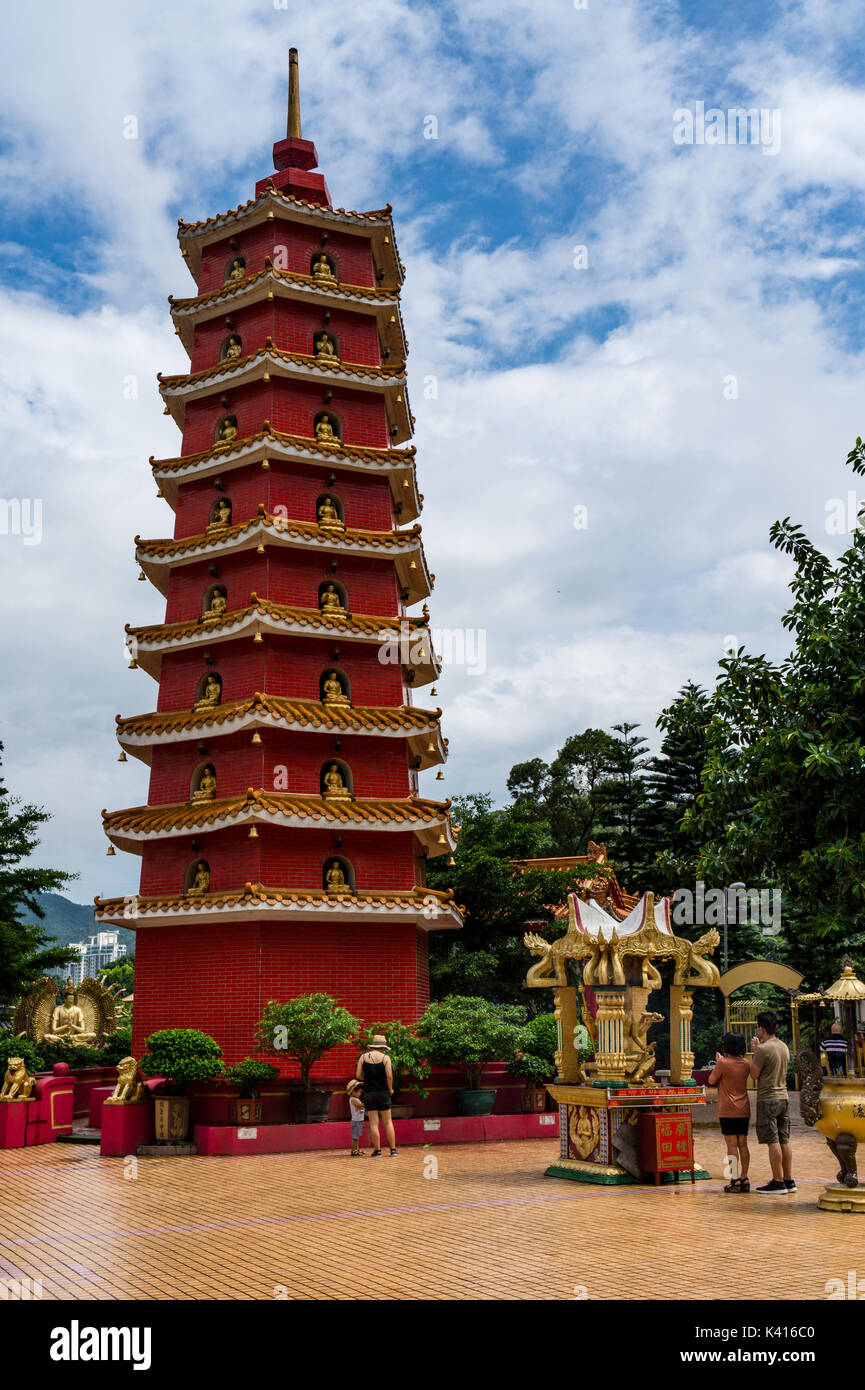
(601, 316)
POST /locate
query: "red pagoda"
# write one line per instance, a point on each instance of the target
(283, 843)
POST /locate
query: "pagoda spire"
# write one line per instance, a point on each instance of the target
(292, 128)
(294, 157)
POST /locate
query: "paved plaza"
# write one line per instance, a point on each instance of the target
(487, 1226)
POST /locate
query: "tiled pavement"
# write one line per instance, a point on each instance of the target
(488, 1226)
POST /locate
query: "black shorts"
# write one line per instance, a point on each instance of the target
(736, 1124)
(376, 1100)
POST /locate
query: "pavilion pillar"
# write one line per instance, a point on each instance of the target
(681, 1016)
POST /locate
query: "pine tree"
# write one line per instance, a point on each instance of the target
(25, 953)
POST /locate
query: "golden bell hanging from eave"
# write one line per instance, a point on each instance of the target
(253, 833)
(110, 850)
(142, 577)
(451, 861)
(440, 777)
(256, 737)
(133, 665)
(258, 637)
(123, 758)
(433, 691)
(260, 548)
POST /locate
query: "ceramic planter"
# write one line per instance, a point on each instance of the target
(475, 1102)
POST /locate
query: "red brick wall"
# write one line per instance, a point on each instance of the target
(291, 247)
(366, 500)
(220, 979)
(288, 666)
(291, 407)
(283, 761)
(292, 326)
(280, 857)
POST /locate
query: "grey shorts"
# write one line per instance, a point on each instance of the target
(773, 1121)
(357, 1128)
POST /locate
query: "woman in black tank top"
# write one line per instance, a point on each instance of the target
(375, 1071)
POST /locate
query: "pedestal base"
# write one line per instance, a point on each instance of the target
(839, 1198)
(592, 1139)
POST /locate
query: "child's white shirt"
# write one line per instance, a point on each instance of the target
(356, 1107)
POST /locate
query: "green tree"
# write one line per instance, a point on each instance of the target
(25, 950)
(122, 973)
(623, 803)
(577, 801)
(783, 800)
(674, 781)
(488, 957)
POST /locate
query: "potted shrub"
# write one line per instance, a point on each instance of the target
(408, 1058)
(305, 1029)
(249, 1075)
(179, 1055)
(468, 1033)
(536, 1061)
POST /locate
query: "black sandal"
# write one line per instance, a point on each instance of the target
(735, 1185)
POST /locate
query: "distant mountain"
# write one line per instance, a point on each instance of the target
(66, 921)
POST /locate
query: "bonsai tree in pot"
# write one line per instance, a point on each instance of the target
(249, 1075)
(408, 1059)
(304, 1030)
(536, 1060)
(467, 1033)
(179, 1055)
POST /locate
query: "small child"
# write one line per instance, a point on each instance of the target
(354, 1091)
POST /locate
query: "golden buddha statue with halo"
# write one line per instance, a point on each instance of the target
(212, 694)
(233, 349)
(322, 271)
(201, 882)
(67, 1022)
(330, 605)
(328, 517)
(334, 786)
(333, 691)
(206, 789)
(326, 434)
(236, 271)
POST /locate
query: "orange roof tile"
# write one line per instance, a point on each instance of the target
(360, 624)
(391, 458)
(341, 368)
(266, 523)
(289, 277)
(256, 895)
(149, 822)
(186, 229)
(303, 713)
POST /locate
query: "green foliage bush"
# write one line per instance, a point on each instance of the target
(182, 1055)
(468, 1033)
(29, 1052)
(535, 1059)
(304, 1029)
(250, 1074)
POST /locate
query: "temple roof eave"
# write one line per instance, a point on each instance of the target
(420, 729)
(425, 908)
(157, 557)
(376, 225)
(428, 821)
(397, 465)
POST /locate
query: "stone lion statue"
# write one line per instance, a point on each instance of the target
(130, 1086)
(17, 1085)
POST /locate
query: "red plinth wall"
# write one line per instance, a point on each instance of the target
(219, 978)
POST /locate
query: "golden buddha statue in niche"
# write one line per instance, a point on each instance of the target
(326, 434)
(329, 603)
(218, 605)
(335, 879)
(233, 349)
(236, 271)
(211, 695)
(324, 349)
(323, 271)
(227, 432)
(334, 786)
(68, 1023)
(221, 515)
(206, 789)
(201, 882)
(332, 690)
(328, 516)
